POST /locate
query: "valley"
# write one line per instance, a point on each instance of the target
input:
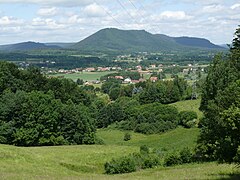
(120, 104)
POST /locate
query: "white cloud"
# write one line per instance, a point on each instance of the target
(94, 10)
(40, 23)
(10, 21)
(213, 8)
(174, 15)
(47, 11)
(73, 19)
(235, 6)
(202, 2)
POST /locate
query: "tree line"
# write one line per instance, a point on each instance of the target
(36, 110)
(220, 132)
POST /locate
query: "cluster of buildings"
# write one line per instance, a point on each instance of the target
(88, 69)
(128, 80)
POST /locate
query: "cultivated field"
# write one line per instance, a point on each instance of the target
(86, 76)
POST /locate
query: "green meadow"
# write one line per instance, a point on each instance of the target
(170, 141)
(189, 105)
(87, 161)
(86, 76)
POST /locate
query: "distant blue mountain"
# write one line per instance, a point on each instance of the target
(59, 44)
(27, 46)
(195, 42)
(225, 45)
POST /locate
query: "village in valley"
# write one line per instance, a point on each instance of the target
(146, 73)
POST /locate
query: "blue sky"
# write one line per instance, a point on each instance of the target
(73, 20)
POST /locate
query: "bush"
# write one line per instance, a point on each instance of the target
(186, 155)
(186, 118)
(237, 157)
(127, 136)
(144, 149)
(132, 162)
(172, 159)
(99, 141)
(146, 128)
(150, 162)
(122, 165)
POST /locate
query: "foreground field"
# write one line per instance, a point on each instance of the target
(87, 162)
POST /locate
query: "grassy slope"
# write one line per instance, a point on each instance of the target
(56, 162)
(190, 105)
(86, 162)
(172, 140)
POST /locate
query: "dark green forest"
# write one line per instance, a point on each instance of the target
(36, 111)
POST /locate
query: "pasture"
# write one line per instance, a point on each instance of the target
(86, 76)
(87, 161)
(189, 105)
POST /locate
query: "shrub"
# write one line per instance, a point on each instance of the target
(172, 159)
(99, 141)
(144, 161)
(186, 118)
(144, 149)
(186, 155)
(127, 136)
(132, 162)
(146, 128)
(150, 161)
(237, 157)
(122, 165)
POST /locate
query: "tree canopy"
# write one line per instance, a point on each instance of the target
(219, 138)
(35, 110)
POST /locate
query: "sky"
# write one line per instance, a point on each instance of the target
(74, 20)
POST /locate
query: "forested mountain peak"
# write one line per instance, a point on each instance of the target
(112, 39)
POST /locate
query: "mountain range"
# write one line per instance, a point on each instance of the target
(116, 40)
(112, 39)
(27, 46)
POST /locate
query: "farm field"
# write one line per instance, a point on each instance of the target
(87, 161)
(86, 76)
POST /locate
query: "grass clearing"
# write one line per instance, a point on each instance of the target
(86, 162)
(56, 161)
(172, 140)
(189, 105)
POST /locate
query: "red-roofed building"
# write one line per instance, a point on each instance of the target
(119, 77)
(153, 79)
